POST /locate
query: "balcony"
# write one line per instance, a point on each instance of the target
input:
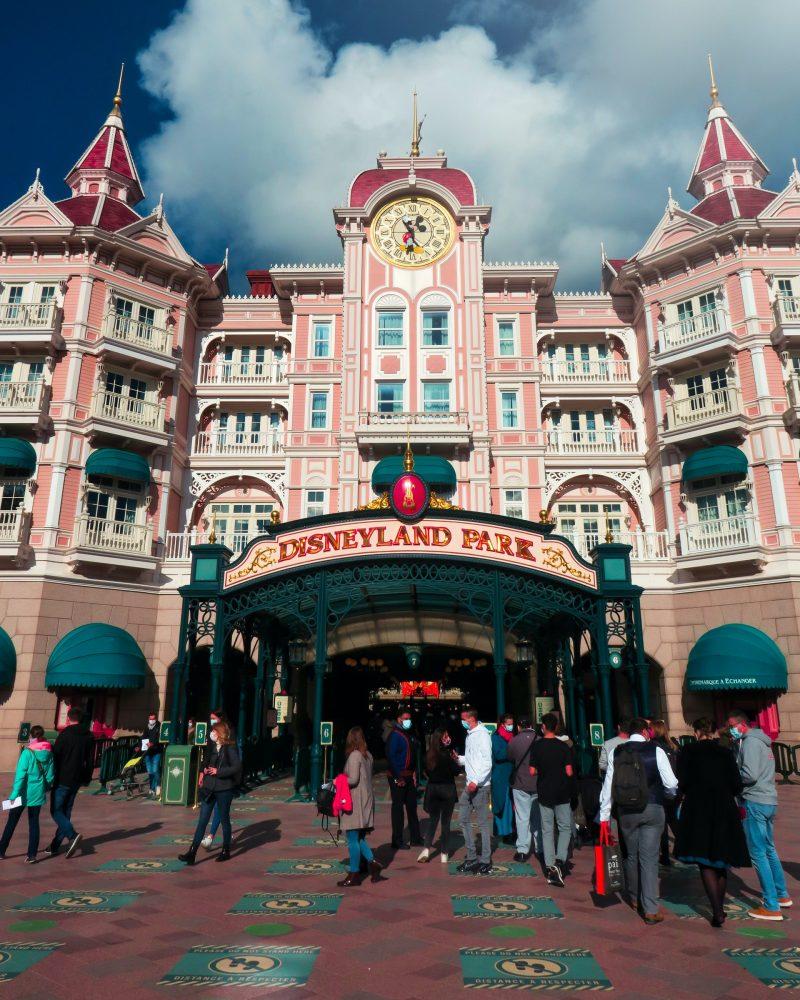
(787, 321)
(719, 410)
(28, 322)
(178, 543)
(127, 413)
(113, 543)
(791, 415)
(449, 427)
(646, 546)
(14, 531)
(239, 444)
(599, 442)
(130, 337)
(229, 373)
(721, 543)
(582, 373)
(707, 333)
(23, 402)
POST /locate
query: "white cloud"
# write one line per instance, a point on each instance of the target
(269, 126)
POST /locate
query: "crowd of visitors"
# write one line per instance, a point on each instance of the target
(715, 795)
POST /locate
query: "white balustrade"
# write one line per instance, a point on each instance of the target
(703, 408)
(11, 522)
(716, 536)
(230, 442)
(138, 333)
(27, 315)
(455, 418)
(603, 372)
(178, 543)
(24, 396)
(142, 413)
(242, 373)
(605, 441)
(793, 389)
(113, 536)
(646, 546)
(788, 308)
(693, 329)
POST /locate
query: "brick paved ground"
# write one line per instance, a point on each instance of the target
(398, 939)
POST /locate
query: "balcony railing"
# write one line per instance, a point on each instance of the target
(248, 373)
(27, 315)
(793, 389)
(717, 536)
(138, 334)
(602, 372)
(22, 396)
(141, 413)
(113, 536)
(652, 546)
(219, 442)
(788, 308)
(177, 543)
(703, 408)
(599, 442)
(439, 418)
(11, 524)
(693, 329)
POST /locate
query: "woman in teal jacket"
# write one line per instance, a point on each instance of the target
(32, 783)
(501, 776)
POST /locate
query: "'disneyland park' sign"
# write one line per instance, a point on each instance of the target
(501, 546)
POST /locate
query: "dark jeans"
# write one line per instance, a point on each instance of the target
(61, 810)
(440, 801)
(33, 829)
(404, 798)
(222, 800)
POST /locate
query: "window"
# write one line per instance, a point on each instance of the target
(512, 503)
(12, 495)
(390, 329)
(720, 499)
(315, 503)
(237, 523)
(319, 410)
(115, 501)
(505, 337)
(46, 294)
(436, 397)
(508, 410)
(322, 340)
(390, 397)
(586, 524)
(435, 329)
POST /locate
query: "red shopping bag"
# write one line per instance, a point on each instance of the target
(608, 876)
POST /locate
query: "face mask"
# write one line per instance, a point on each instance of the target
(214, 721)
(214, 738)
(734, 731)
(406, 723)
(151, 722)
(509, 728)
(465, 724)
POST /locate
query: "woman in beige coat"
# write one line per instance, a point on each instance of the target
(361, 819)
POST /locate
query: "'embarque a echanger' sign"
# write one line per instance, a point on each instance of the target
(521, 549)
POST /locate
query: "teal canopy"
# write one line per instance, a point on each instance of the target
(8, 660)
(17, 454)
(735, 658)
(96, 656)
(119, 464)
(437, 472)
(722, 460)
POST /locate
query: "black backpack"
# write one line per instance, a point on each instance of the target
(326, 796)
(629, 788)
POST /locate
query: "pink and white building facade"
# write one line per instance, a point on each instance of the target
(142, 405)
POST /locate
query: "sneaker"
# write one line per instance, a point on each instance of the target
(52, 849)
(785, 902)
(424, 855)
(467, 865)
(552, 876)
(74, 844)
(653, 918)
(486, 869)
(207, 841)
(519, 856)
(762, 913)
(158, 792)
(30, 861)
(444, 858)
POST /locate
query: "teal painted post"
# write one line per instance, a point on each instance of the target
(568, 680)
(217, 661)
(320, 657)
(499, 646)
(603, 669)
(258, 700)
(243, 679)
(642, 668)
(179, 678)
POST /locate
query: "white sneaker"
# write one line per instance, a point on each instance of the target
(207, 842)
(158, 792)
(424, 855)
(444, 858)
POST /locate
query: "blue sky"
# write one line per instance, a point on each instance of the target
(252, 116)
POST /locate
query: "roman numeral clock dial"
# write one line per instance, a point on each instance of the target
(412, 232)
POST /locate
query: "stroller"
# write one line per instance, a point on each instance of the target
(127, 778)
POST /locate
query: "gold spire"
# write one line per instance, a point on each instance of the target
(115, 110)
(416, 128)
(212, 537)
(714, 89)
(609, 532)
(408, 460)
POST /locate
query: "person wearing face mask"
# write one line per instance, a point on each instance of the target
(474, 801)
(216, 717)
(440, 793)
(152, 753)
(501, 777)
(218, 782)
(524, 792)
(753, 749)
(401, 753)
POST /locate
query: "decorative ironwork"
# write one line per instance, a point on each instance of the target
(556, 560)
(439, 503)
(378, 503)
(203, 618)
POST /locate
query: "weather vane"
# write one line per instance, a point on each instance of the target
(416, 128)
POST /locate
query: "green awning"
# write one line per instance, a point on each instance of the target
(96, 656)
(437, 472)
(119, 464)
(722, 460)
(17, 454)
(8, 660)
(735, 658)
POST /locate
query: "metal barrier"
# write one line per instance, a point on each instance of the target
(786, 760)
(114, 758)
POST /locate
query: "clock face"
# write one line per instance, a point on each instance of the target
(413, 232)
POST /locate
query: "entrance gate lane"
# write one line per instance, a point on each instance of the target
(302, 579)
